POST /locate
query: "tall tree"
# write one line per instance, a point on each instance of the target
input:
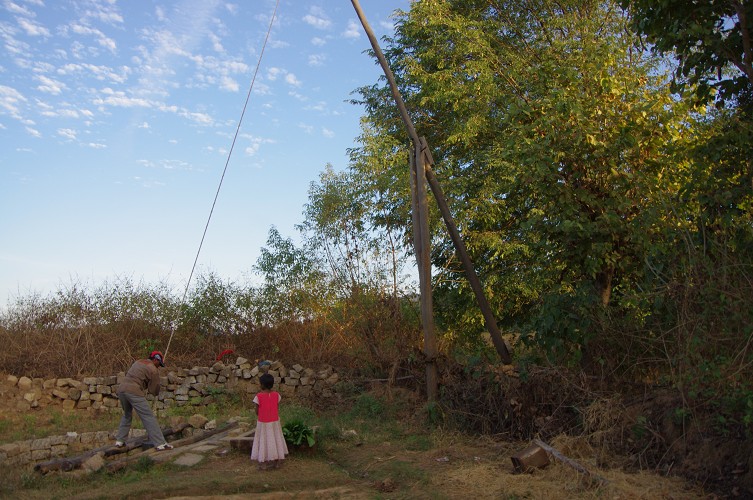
(713, 41)
(549, 131)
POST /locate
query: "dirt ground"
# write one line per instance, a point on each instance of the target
(390, 458)
(453, 467)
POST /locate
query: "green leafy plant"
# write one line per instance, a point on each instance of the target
(297, 433)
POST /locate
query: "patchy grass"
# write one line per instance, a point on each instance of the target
(18, 426)
(369, 447)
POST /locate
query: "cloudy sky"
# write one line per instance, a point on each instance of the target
(116, 118)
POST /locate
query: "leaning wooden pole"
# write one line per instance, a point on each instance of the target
(421, 151)
(421, 235)
(491, 322)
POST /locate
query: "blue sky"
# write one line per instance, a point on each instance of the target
(116, 118)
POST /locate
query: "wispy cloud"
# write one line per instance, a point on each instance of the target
(317, 59)
(14, 8)
(33, 29)
(33, 132)
(309, 129)
(353, 30)
(67, 133)
(317, 18)
(101, 38)
(50, 86)
(10, 99)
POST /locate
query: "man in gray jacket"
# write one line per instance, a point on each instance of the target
(143, 376)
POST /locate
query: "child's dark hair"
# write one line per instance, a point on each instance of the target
(267, 381)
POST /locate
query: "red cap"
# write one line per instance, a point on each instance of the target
(158, 356)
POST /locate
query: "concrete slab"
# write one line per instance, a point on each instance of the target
(188, 459)
(205, 447)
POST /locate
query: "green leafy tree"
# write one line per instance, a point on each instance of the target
(553, 138)
(713, 41)
(294, 287)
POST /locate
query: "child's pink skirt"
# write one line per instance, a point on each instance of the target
(269, 443)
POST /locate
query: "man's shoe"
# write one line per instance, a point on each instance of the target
(119, 444)
(164, 447)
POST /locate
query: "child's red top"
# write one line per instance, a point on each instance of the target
(268, 406)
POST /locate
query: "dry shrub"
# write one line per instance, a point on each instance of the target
(491, 400)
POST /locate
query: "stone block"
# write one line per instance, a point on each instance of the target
(40, 454)
(60, 393)
(110, 403)
(90, 380)
(303, 390)
(241, 361)
(40, 444)
(57, 440)
(69, 404)
(24, 384)
(10, 449)
(74, 394)
(198, 421)
(59, 450)
(297, 368)
(49, 384)
(293, 374)
(84, 404)
(287, 390)
(12, 380)
(94, 463)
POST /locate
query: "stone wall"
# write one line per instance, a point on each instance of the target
(182, 387)
(195, 386)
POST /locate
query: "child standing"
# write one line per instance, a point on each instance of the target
(269, 446)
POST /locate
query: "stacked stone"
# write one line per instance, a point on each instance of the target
(91, 392)
(196, 386)
(37, 450)
(296, 380)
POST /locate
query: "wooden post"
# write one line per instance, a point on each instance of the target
(421, 235)
(422, 242)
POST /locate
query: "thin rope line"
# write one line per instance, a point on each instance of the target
(222, 178)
